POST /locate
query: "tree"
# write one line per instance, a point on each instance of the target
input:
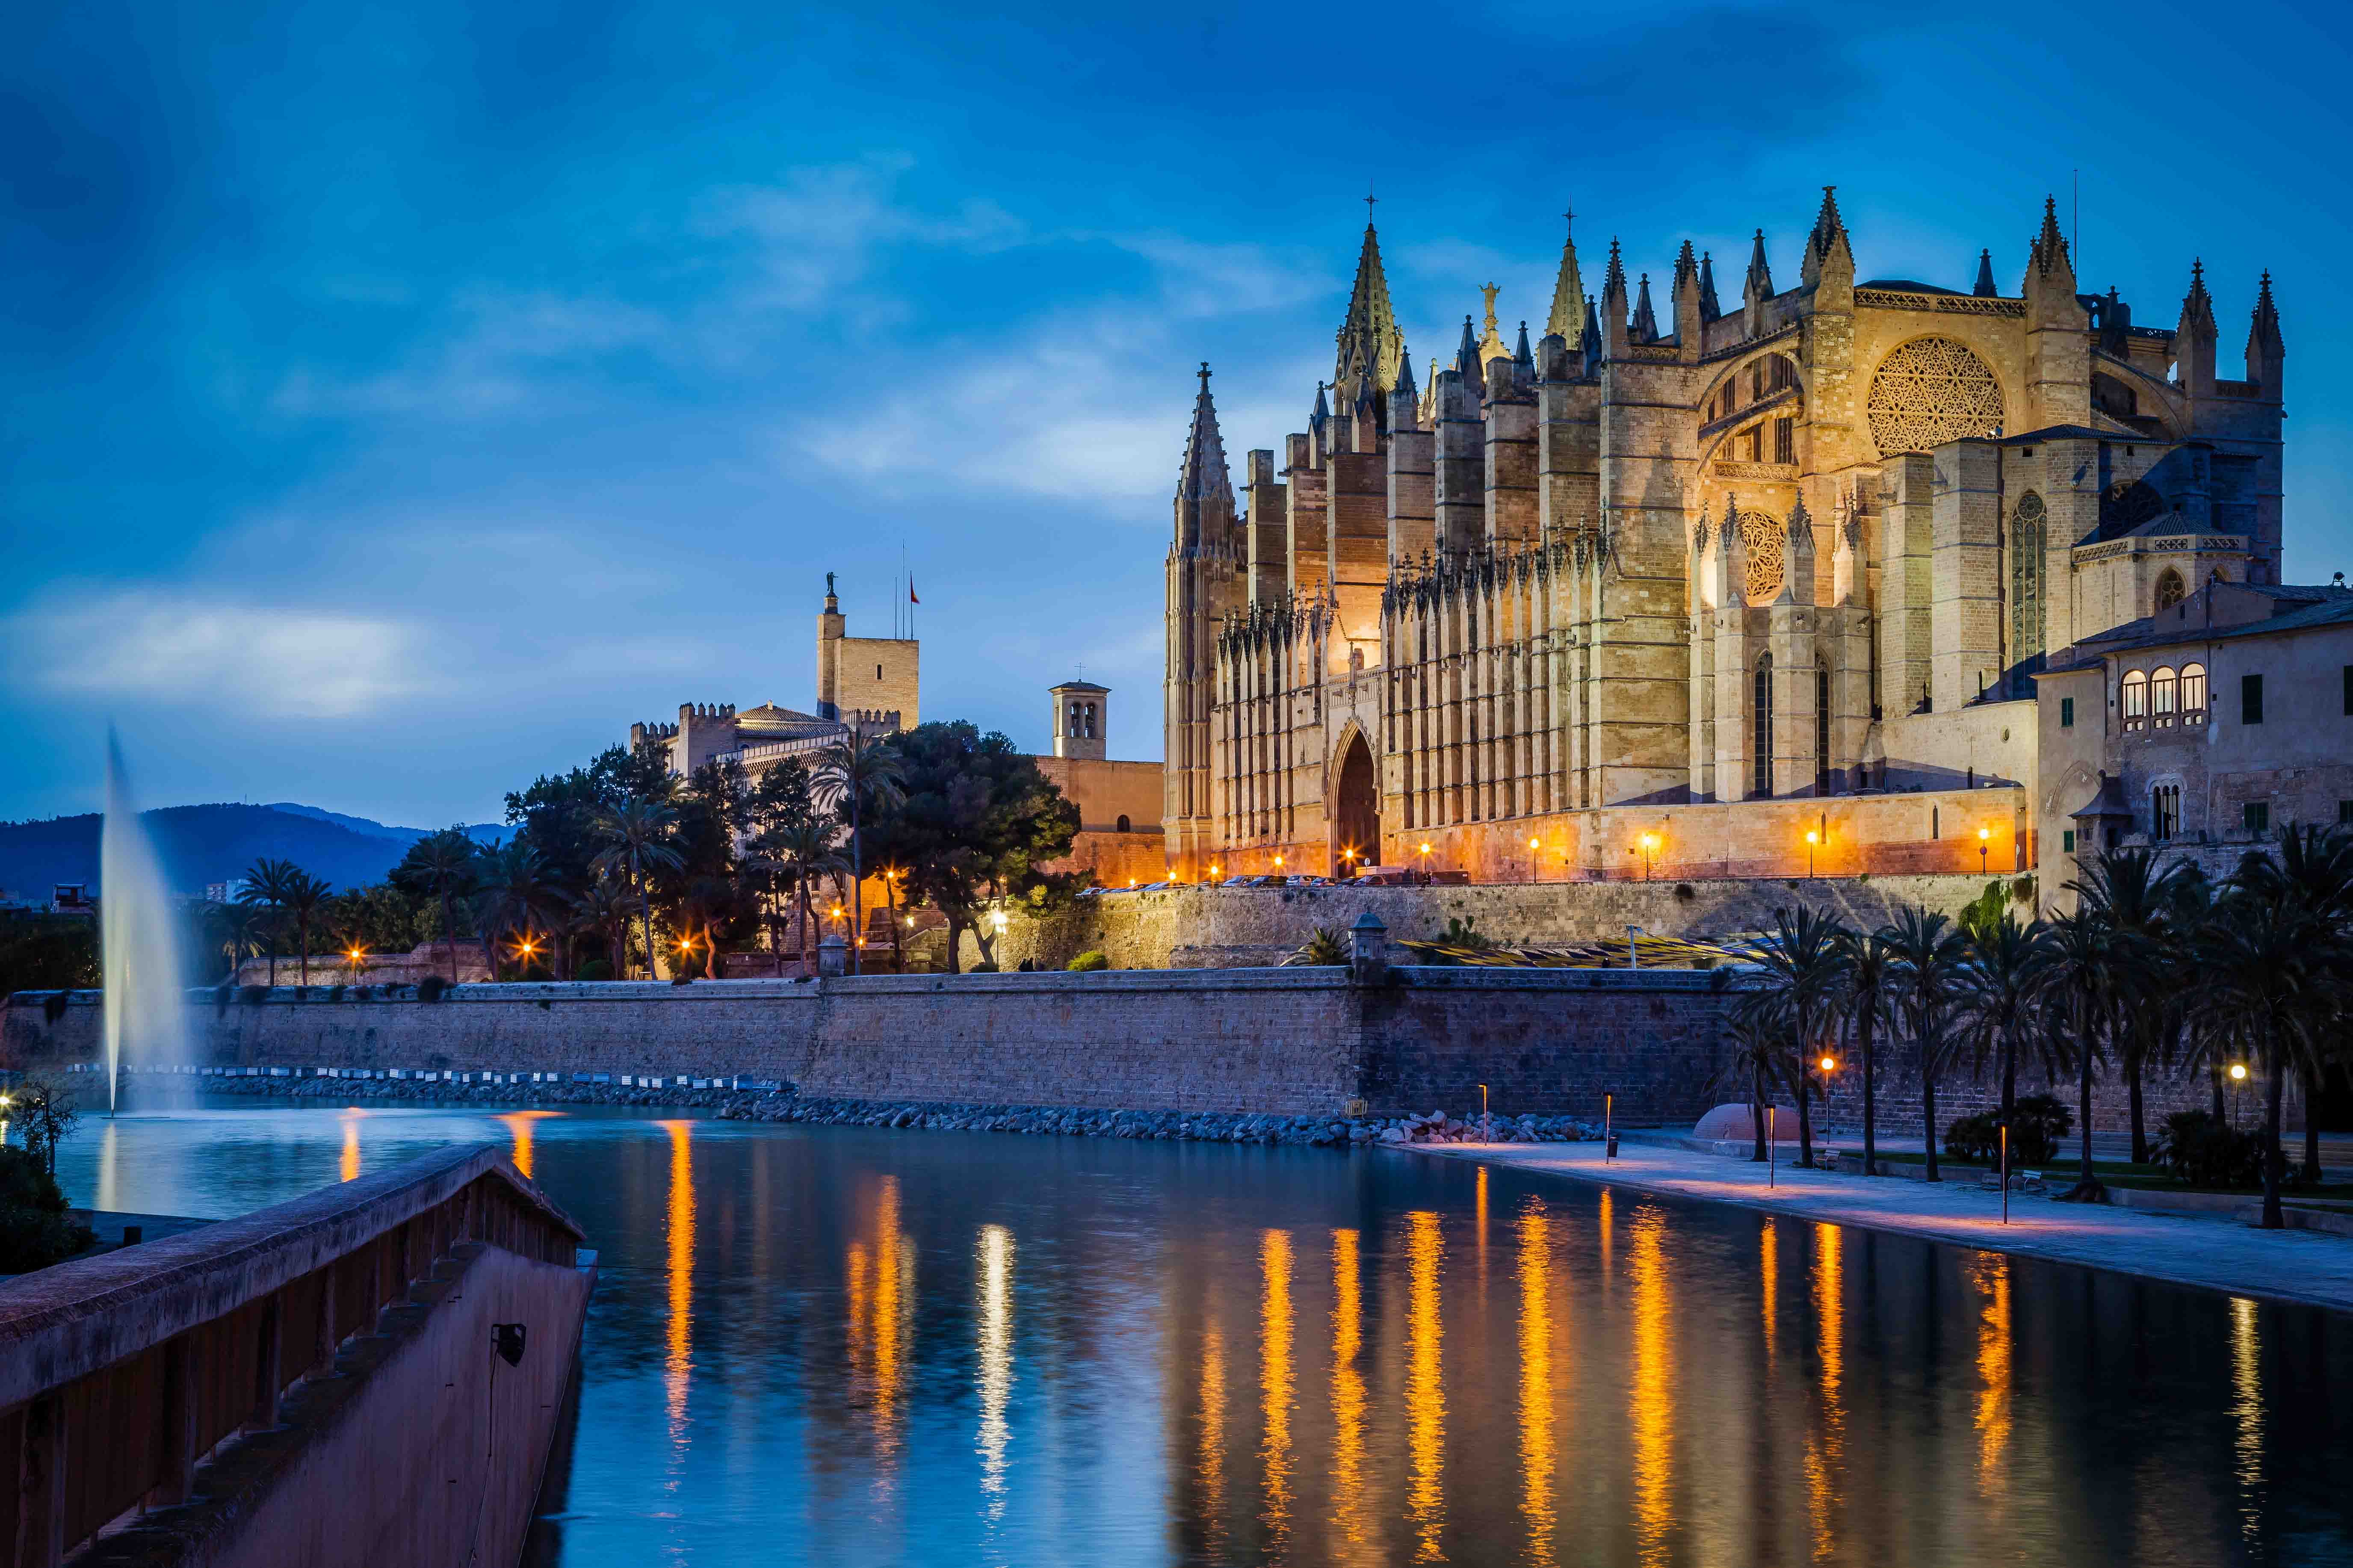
(46, 1111)
(977, 821)
(1805, 961)
(1926, 979)
(441, 865)
(515, 896)
(268, 884)
(303, 895)
(637, 838)
(2003, 989)
(603, 911)
(1870, 973)
(858, 771)
(2136, 902)
(233, 931)
(2081, 951)
(1759, 1027)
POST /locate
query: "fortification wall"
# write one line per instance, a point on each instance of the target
(1226, 927)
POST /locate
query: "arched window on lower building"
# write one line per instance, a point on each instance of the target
(2136, 701)
(2193, 694)
(2164, 692)
(1762, 717)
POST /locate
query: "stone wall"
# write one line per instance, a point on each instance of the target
(1223, 927)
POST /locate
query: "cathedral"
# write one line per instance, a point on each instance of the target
(1696, 589)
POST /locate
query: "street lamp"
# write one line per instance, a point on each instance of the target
(352, 957)
(1213, 871)
(1813, 838)
(1650, 848)
(2238, 1084)
(1532, 862)
(1425, 864)
(1828, 1064)
(1985, 835)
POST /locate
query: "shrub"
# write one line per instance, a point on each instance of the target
(2042, 1124)
(2022, 890)
(254, 995)
(983, 967)
(1092, 959)
(35, 1229)
(1685, 892)
(1461, 932)
(1326, 946)
(2194, 1147)
(595, 969)
(335, 992)
(432, 988)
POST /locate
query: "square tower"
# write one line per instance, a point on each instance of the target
(1081, 719)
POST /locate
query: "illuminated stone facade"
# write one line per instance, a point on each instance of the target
(1813, 545)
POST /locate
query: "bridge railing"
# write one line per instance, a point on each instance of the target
(120, 1372)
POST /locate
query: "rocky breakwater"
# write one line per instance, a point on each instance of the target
(1045, 1120)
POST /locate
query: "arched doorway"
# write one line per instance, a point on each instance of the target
(1356, 809)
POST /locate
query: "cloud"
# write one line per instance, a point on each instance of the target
(145, 647)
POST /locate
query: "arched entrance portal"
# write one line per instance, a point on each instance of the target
(1356, 809)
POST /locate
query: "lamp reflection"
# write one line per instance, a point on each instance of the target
(350, 1168)
(517, 1126)
(994, 1376)
(1991, 1274)
(678, 1362)
(2247, 1408)
(1275, 1384)
(1652, 1374)
(1536, 1455)
(1348, 1399)
(1825, 1451)
(1212, 1466)
(1425, 1389)
(1768, 1274)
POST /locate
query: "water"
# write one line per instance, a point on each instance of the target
(139, 942)
(855, 1347)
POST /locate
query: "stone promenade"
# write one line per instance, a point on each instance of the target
(2305, 1266)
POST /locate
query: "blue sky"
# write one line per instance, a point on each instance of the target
(396, 402)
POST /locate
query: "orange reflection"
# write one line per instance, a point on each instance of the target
(2247, 1409)
(351, 1163)
(1274, 1384)
(1602, 1238)
(1652, 1392)
(1825, 1450)
(1990, 1273)
(1536, 1453)
(893, 1304)
(518, 1125)
(1212, 1468)
(1425, 1389)
(1769, 1269)
(994, 1374)
(679, 1364)
(1348, 1399)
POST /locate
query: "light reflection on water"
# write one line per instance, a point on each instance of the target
(852, 1347)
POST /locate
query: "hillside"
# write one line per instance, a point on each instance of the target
(201, 844)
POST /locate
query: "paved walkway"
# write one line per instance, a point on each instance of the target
(2306, 1267)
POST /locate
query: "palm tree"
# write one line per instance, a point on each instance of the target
(804, 848)
(2083, 955)
(304, 894)
(1805, 962)
(2002, 987)
(447, 863)
(516, 895)
(1869, 978)
(858, 768)
(603, 910)
(267, 884)
(1759, 1027)
(2137, 900)
(1928, 955)
(236, 929)
(638, 835)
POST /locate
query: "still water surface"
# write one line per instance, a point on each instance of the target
(844, 1346)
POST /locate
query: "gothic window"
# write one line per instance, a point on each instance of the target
(1761, 704)
(2027, 526)
(1763, 538)
(2165, 812)
(1822, 729)
(2193, 694)
(1780, 372)
(1785, 440)
(1931, 391)
(2170, 591)
(2163, 690)
(2135, 700)
(1755, 436)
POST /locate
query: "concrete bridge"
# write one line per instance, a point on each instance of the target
(320, 1382)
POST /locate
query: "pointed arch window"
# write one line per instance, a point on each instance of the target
(1821, 728)
(2169, 590)
(2029, 527)
(1761, 706)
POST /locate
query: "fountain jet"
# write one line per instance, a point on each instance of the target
(139, 939)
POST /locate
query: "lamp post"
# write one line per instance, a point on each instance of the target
(1486, 1122)
(2238, 1085)
(1828, 1064)
(1532, 847)
(1425, 864)
(1984, 837)
(352, 958)
(1650, 848)
(1813, 838)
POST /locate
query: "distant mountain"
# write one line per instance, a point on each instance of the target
(202, 844)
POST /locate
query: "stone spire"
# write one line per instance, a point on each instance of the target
(2195, 336)
(1646, 321)
(1568, 317)
(1524, 356)
(1709, 310)
(1590, 345)
(1798, 556)
(1985, 288)
(2049, 255)
(1404, 400)
(2266, 350)
(1466, 357)
(1369, 343)
(1686, 266)
(1203, 476)
(1732, 559)
(1759, 283)
(1827, 249)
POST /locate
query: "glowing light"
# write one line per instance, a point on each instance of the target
(1213, 871)
(1425, 1389)
(678, 1359)
(1425, 848)
(1536, 1444)
(518, 1125)
(351, 1163)
(1278, 859)
(1532, 844)
(355, 955)
(1825, 1452)
(1990, 1273)
(994, 1376)
(1274, 1385)
(1649, 841)
(1650, 1398)
(1212, 1466)
(1813, 836)
(1984, 833)
(2238, 1072)
(1768, 1270)
(1347, 1395)
(1830, 1065)
(2247, 1406)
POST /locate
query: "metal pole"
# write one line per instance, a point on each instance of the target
(2005, 1173)
(1772, 1149)
(1609, 1108)
(1486, 1122)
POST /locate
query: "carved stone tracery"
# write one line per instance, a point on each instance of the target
(1763, 537)
(1931, 391)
